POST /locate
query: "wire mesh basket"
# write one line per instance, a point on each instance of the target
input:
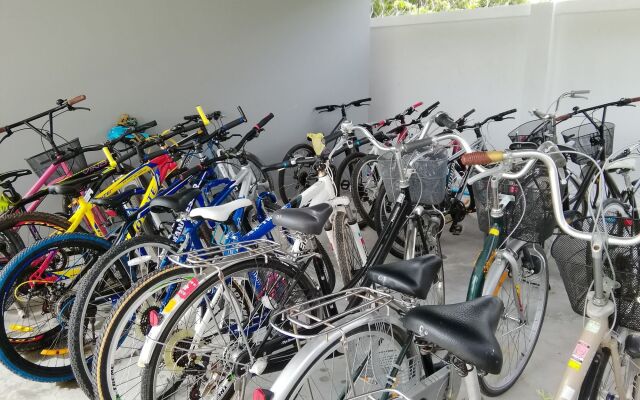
(530, 132)
(573, 257)
(531, 196)
(428, 182)
(40, 162)
(587, 140)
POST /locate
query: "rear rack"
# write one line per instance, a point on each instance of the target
(223, 255)
(302, 317)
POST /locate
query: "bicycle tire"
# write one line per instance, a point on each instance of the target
(282, 192)
(332, 350)
(437, 293)
(9, 355)
(347, 256)
(122, 314)
(149, 373)
(495, 389)
(85, 293)
(362, 200)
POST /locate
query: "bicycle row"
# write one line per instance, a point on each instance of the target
(204, 287)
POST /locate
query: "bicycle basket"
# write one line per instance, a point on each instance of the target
(573, 257)
(532, 132)
(587, 140)
(427, 184)
(537, 223)
(40, 162)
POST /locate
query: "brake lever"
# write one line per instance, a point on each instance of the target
(72, 108)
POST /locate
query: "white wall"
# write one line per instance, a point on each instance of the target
(158, 59)
(505, 57)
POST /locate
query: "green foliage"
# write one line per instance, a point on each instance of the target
(384, 8)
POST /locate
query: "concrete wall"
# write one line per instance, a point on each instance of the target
(504, 57)
(158, 59)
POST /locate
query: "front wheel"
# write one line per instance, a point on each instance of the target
(519, 328)
(346, 247)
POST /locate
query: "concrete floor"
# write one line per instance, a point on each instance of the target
(560, 331)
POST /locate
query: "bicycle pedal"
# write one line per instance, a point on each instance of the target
(455, 229)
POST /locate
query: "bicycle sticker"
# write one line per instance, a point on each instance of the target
(187, 289)
(593, 326)
(578, 355)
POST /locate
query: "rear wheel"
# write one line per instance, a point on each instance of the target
(365, 186)
(347, 255)
(358, 363)
(36, 304)
(21, 230)
(113, 274)
(518, 332)
(292, 181)
(201, 351)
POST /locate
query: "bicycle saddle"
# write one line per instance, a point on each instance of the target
(413, 277)
(222, 212)
(75, 187)
(118, 199)
(309, 220)
(13, 175)
(467, 330)
(173, 202)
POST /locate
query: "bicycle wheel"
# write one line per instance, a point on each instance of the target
(357, 363)
(112, 275)
(365, 185)
(116, 374)
(518, 337)
(383, 206)
(210, 339)
(263, 178)
(21, 230)
(599, 383)
(292, 181)
(36, 304)
(347, 255)
(343, 179)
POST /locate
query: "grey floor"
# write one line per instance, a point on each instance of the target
(560, 331)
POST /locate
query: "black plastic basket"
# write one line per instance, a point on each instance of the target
(40, 162)
(538, 222)
(530, 132)
(573, 257)
(588, 141)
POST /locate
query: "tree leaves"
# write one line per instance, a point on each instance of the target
(386, 8)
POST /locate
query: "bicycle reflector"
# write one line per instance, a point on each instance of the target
(261, 394)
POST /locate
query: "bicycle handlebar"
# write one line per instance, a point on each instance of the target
(483, 158)
(333, 107)
(61, 104)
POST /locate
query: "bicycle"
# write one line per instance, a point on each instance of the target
(302, 177)
(579, 264)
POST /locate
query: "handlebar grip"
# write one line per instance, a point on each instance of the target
(634, 99)
(468, 113)
(233, 124)
(144, 127)
(264, 121)
(505, 113)
(482, 157)
(563, 117)
(358, 103)
(411, 146)
(3, 129)
(75, 100)
(416, 105)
